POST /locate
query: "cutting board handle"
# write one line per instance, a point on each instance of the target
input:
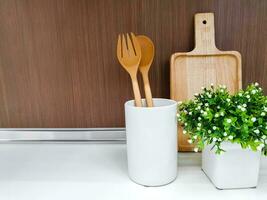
(204, 33)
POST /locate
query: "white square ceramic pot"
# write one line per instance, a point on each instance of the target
(233, 169)
(152, 142)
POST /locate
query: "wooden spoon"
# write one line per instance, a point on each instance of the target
(147, 50)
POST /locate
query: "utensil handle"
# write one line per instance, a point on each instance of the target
(137, 95)
(204, 33)
(148, 94)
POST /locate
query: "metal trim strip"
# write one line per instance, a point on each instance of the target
(63, 135)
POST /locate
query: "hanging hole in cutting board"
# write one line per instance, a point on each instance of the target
(204, 22)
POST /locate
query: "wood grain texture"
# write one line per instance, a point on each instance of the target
(148, 52)
(203, 66)
(58, 65)
(129, 55)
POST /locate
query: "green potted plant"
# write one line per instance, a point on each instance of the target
(231, 131)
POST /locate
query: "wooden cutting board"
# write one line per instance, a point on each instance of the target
(204, 65)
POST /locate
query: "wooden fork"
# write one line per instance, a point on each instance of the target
(129, 56)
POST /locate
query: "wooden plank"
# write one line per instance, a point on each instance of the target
(58, 65)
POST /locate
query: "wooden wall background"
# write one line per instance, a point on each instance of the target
(58, 65)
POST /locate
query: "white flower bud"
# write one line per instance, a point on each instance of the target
(195, 137)
(189, 141)
(195, 149)
(184, 131)
(253, 119)
(256, 84)
(256, 131)
(225, 134)
(214, 127)
(228, 121)
(209, 131)
(253, 91)
(231, 137)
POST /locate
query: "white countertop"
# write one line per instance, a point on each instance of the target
(99, 171)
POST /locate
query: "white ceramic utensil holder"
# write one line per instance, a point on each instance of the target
(152, 142)
(236, 168)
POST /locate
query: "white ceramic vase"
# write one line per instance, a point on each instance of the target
(236, 168)
(152, 142)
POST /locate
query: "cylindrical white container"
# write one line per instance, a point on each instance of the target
(152, 142)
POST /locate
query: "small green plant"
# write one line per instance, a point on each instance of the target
(215, 116)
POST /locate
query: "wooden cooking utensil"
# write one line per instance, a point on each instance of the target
(204, 65)
(129, 56)
(147, 50)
